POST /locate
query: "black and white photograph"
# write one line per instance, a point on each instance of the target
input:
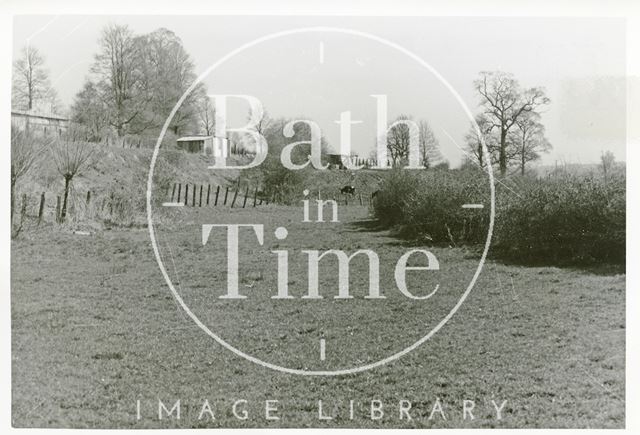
(283, 219)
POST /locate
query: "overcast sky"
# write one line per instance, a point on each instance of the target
(580, 62)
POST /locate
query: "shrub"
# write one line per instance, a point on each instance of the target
(428, 204)
(562, 219)
(278, 183)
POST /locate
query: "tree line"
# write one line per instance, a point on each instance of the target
(135, 81)
(132, 86)
(399, 140)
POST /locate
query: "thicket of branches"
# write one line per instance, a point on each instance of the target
(26, 149)
(560, 219)
(403, 130)
(134, 83)
(509, 122)
(31, 82)
(279, 183)
(71, 156)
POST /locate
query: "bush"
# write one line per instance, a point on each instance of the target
(564, 219)
(560, 220)
(280, 184)
(428, 204)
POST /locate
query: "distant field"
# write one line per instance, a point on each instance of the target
(95, 328)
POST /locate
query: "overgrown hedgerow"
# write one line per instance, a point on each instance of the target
(564, 219)
(560, 219)
(428, 203)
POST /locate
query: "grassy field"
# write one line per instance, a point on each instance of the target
(95, 329)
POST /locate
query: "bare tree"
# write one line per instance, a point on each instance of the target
(504, 102)
(25, 150)
(607, 161)
(429, 145)
(399, 141)
(474, 142)
(207, 116)
(31, 80)
(238, 141)
(120, 78)
(264, 123)
(168, 71)
(135, 82)
(89, 110)
(530, 139)
(71, 157)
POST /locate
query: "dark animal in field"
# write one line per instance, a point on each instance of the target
(348, 190)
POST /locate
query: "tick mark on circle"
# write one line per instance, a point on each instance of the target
(322, 349)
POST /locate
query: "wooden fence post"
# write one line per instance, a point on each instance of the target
(58, 202)
(226, 194)
(193, 196)
(173, 192)
(41, 209)
(88, 198)
(217, 193)
(255, 196)
(200, 199)
(208, 192)
(360, 197)
(186, 194)
(246, 192)
(235, 195)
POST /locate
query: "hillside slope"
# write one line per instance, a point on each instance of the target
(117, 180)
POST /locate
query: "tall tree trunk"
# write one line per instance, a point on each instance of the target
(63, 213)
(30, 96)
(503, 152)
(480, 156)
(524, 149)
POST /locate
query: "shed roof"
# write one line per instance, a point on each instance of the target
(33, 114)
(192, 138)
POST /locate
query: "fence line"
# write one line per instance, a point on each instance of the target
(243, 196)
(202, 195)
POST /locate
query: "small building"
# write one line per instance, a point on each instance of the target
(204, 144)
(39, 123)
